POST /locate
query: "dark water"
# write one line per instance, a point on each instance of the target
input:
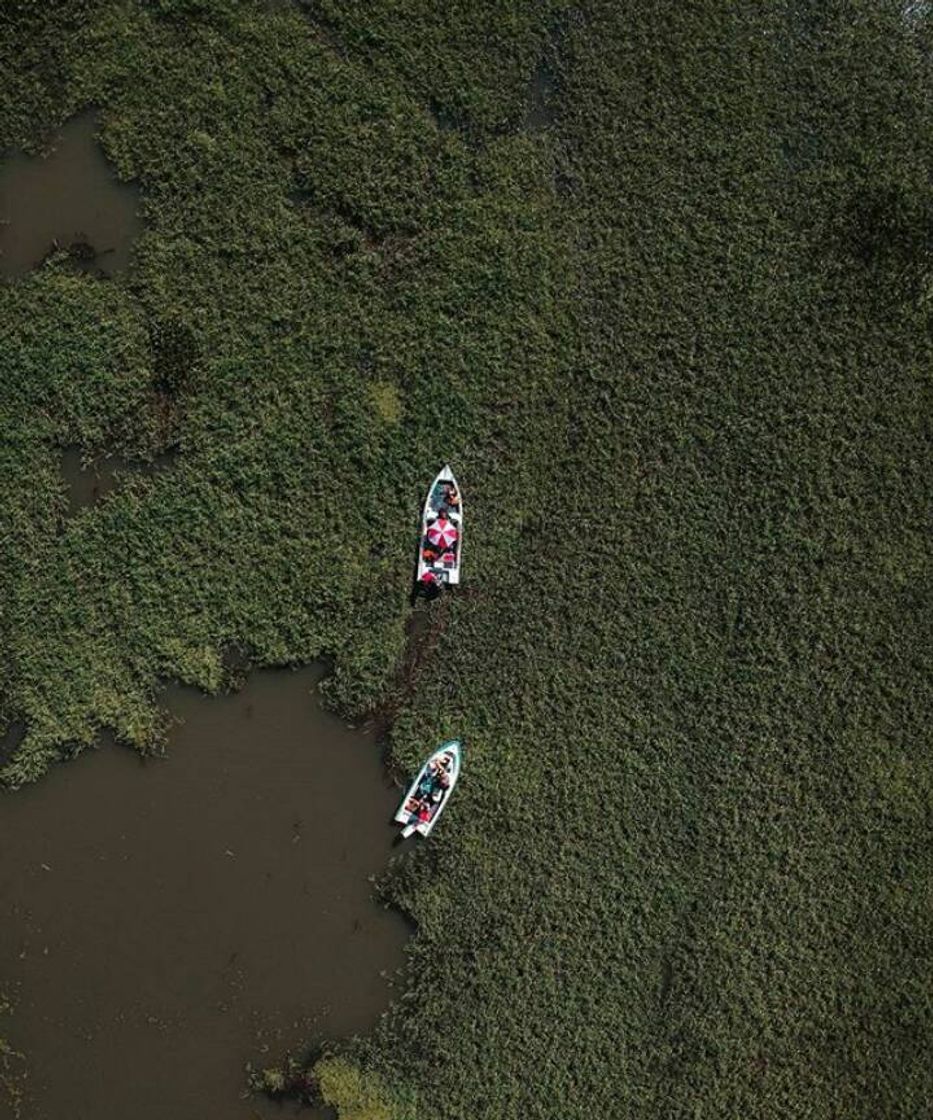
(446, 119)
(87, 485)
(542, 94)
(10, 740)
(164, 922)
(68, 198)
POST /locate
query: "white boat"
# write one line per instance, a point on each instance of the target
(440, 550)
(421, 806)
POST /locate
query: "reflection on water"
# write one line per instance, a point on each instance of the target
(69, 198)
(165, 921)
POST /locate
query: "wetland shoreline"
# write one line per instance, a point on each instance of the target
(654, 280)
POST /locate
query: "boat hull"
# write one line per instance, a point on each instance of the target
(445, 564)
(407, 813)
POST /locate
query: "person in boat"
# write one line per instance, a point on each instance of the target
(439, 776)
(424, 813)
(452, 495)
(438, 766)
(431, 584)
(429, 553)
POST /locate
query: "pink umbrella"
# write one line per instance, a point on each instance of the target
(442, 533)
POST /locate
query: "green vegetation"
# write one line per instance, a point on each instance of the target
(677, 346)
(357, 1095)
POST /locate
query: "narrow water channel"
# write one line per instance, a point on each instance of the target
(162, 922)
(69, 198)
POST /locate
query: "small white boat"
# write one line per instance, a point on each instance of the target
(429, 793)
(440, 550)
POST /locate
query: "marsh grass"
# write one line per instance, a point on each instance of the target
(675, 340)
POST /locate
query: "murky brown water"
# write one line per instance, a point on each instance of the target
(162, 922)
(87, 485)
(70, 197)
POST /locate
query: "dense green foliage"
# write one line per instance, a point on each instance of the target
(676, 343)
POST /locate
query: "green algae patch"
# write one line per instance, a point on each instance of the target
(386, 401)
(357, 1094)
